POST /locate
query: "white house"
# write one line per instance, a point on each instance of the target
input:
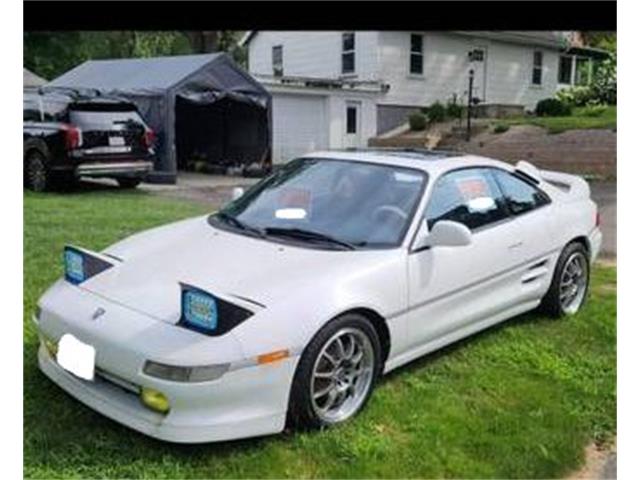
(338, 89)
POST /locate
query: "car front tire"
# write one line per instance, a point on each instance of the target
(570, 284)
(336, 373)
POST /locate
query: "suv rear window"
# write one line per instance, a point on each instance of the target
(106, 115)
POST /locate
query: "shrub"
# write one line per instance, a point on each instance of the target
(500, 128)
(437, 112)
(604, 85)
(552, 107)
(417, 121)
(593, 110)
(575, 96)
(454, 110)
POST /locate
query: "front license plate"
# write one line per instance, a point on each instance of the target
(76, 357)
(116, 141)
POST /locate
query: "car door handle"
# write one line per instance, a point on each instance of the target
(515, 245)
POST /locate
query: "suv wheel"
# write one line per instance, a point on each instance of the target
(36, 173)
(128, 182)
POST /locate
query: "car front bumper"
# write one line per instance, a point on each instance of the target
(250, 399)
(210, 413)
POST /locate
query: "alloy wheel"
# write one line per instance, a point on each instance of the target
(342, 375)
(573, 283)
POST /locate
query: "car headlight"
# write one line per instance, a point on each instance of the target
(80, 265)
(204, 373)
(208, 314)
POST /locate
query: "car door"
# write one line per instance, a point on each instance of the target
(531, 209)
(453, 288)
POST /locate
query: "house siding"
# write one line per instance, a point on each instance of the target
(507, 79)
(314, 54)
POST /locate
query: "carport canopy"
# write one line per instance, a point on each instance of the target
(200, 106)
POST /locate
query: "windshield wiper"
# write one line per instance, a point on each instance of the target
(307, 235)
(230, 219)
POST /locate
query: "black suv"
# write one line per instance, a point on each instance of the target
(68, 134)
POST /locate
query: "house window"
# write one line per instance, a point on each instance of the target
(583, 71)
(564, 69)
(276, 61)
(348, 52)
(536, 77)
(415, 59)
(352, 119)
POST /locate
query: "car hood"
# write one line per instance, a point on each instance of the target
(250, 272)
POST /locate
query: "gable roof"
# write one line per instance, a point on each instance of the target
(30, 79)
(133, 73)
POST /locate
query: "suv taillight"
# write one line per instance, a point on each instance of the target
(149, 138)
(72, 136)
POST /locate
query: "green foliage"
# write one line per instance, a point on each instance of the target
(436, 112)
(578, 96)
(454, 110)
(604, 84)
(602, 90)
(592, 111)
(581, 118)
(520, 400)
(50, 54)
(552, 107)
(417, 121)
(501, 128)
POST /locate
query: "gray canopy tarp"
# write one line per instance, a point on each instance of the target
(203, 106)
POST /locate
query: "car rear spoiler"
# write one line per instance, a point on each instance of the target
(572, 185)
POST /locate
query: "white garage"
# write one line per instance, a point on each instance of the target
(299, 125)
(308, 118)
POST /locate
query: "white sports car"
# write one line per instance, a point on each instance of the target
(290, 302)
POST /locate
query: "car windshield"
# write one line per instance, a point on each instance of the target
(326, 202)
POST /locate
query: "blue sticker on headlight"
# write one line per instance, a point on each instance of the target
(74, 266)
(200, 310)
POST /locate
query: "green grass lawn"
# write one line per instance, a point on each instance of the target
(578, 120)
(519, 400)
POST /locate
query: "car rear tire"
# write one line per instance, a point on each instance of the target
(126, 183)
(36, 173)
(336, 373)
(570, 284)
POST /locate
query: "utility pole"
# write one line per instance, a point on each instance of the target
(469, 103)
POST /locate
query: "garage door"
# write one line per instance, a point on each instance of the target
(299, 125)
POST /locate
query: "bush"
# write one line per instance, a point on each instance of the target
(604, 86)
(552, 107)
(592, 111)
(603, 89)
(575, 96)
(417, 121)
(454, 110)
(437, 112)
(500, 128)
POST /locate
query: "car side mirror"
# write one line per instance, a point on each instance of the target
(236, 193)
(444, 233)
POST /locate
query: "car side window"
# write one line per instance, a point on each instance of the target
(521, 196)
(469, 196)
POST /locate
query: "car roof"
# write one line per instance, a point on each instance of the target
(433, 162)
